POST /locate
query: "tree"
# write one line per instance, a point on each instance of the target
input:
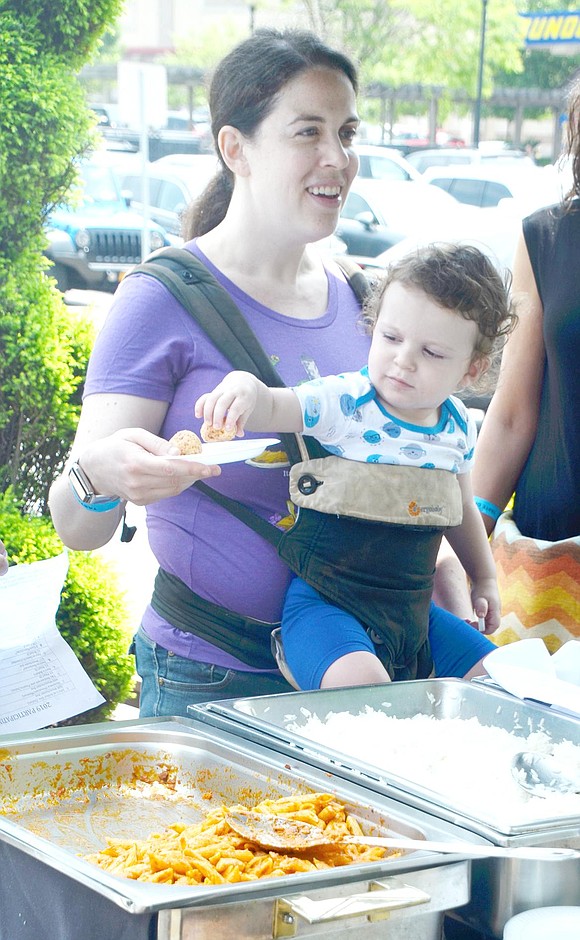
(369, 29)
(542, 68)
(204, 48)
(431, 42)
(44, 125)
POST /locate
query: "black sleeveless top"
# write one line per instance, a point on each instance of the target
(547, 502)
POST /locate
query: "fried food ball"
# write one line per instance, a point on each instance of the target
(187, 441)
(211, 434)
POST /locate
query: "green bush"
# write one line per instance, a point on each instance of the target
(45, 348)
(92, 611)
(44, 125)
(69, 29)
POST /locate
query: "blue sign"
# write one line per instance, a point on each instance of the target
(551, 29)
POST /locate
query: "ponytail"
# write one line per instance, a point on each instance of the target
(209, 209)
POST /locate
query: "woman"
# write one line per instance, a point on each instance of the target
(284, 118)
(530, 440)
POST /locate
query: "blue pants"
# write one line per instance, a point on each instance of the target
(315, 634)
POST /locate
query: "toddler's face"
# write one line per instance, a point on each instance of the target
(420, 354)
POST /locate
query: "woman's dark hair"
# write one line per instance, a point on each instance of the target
(573, 139)
(244, 90)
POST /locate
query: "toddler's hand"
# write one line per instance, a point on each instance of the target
(486, 603)
(231, 402)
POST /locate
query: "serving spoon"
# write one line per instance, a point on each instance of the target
(282, 833)
(542, 774)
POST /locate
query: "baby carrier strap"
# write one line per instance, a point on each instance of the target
(243, 637)
(203, 297)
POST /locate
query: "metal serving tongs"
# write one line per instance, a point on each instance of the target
(281, 833)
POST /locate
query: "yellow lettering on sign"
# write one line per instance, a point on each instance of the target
(535, 30)
(569, 27)
(553, 26)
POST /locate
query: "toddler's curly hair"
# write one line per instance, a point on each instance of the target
(459, 278)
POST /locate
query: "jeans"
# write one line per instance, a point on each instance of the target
(169, 683)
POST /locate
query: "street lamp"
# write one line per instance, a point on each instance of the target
(477, 111)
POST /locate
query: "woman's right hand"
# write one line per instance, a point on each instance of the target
(118, 447)
(129, 463)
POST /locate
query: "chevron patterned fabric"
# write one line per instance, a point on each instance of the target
(539, 585)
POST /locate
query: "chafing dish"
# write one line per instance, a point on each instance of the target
(500, 888)
(62, 794)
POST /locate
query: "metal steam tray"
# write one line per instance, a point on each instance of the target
(60, 800)
(266, 719)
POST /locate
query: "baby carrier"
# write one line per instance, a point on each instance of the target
(339, 543)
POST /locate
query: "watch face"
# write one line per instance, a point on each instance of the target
(80, 484)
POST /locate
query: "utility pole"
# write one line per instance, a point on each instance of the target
(477, 111)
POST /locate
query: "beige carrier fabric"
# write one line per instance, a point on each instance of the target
(382, 492)
(539, 586)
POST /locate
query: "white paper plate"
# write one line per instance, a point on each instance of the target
(229, 451)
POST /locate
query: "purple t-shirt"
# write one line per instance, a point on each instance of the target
(149, 346)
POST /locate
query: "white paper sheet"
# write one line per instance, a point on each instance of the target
(41, 680)
(526, 669)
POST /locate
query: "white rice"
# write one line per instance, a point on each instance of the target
(464, 764)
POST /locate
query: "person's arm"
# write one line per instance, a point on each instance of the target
(509, 427)
(118, 448)
(3, 558)
(242, 401)
(470, 543)
(451, 590)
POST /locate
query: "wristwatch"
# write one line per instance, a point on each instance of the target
(85, 494)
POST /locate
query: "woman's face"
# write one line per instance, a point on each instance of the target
(301, 162)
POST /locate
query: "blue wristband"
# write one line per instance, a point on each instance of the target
(99, 507)
(489, 509)
(84, 493)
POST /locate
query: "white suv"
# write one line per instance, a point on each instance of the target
(486, 185)
(384, 163)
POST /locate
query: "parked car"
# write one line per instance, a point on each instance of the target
(107, 114)
(96, 238)
(384, 163)
(174, 181)
(410, 142)
(487, 184)
(465, 156)
(379, 213)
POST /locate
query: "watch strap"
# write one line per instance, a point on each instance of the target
(105, 506)
(85, 494)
